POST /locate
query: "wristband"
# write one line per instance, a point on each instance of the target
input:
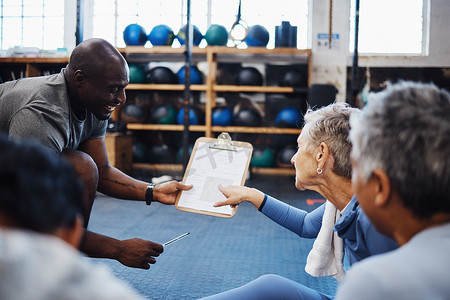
(149, 194)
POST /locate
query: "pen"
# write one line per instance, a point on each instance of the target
(176, 239)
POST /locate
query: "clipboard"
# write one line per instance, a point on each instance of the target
(213, 162)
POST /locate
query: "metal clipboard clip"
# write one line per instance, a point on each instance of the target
(223, 142)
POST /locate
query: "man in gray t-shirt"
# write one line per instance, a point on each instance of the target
(68, 113)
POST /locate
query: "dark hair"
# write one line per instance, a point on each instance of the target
(38, 190)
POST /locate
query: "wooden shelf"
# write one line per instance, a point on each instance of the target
(178, 168)
(202, 128)
(164, 87)
(34, 60)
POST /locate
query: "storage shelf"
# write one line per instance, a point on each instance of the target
(202, 128)
(178, 168)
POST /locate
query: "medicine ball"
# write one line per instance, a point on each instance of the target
(161, 35)
(196, 75)
(197, 36)
(132, 113)
(257, 36)
(180, 153)
(140, 152)
(161, 154)
(249, 117)
(289, 117)
(284, 156)
(195, 116)
(163, 114)
(134, 35)
(137, 73)
(162, 75)
(293, 78)
(263, 158)
(221, 116)
(249, 76)
(216, 35)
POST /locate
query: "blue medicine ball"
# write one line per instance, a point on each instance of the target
(258, 36)
(197, 35)
(196, 75)
(289, 117)
(161, 35)
(221, 116)
(134, 35)
(194, 117)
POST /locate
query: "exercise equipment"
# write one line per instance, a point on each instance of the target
(284, 156)
(216, 35)
(221, 116)
(239, 29)
(320, 95)
(197, 35)
(195, 116)
(249, 76)
(196, 75)
(163, 114)
(140, 152)
(289, 117)
(179, 154)
(132, 113)
(285, 35)
(263, 158)
(162, 75)
(249, 117)
(293, 78)
(134, 35)
(137, 73)
(161, 154)
(257, 36)
(161, 35)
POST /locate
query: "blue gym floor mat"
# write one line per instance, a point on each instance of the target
(219, 254)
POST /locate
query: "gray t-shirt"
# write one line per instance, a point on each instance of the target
(39, 108)
(419, 269)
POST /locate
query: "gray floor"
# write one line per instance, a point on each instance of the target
(219, 254)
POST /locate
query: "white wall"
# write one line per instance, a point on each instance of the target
(329, 65)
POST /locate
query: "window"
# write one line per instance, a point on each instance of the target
(394, 27)
(110, 17)
(32, 23)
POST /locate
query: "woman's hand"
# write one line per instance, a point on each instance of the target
(236, 194)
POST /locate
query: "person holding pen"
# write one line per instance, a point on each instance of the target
(322, 164)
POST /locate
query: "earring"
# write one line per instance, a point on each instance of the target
(319, 171)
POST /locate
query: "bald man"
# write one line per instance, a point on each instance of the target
(68, 113)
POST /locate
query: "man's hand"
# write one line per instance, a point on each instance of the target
(138, 253)
(166, 193)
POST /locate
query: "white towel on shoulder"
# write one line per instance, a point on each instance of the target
(326, 256)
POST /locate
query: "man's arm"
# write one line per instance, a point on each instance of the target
(115, 183)
(136, 253)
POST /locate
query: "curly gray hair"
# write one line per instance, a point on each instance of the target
(330, 124)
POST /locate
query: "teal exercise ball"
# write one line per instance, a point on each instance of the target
(197, 35)
(216, 35)
(257, 36)
(134, 35)
(161, 35)
(263, 158)
(137, 73)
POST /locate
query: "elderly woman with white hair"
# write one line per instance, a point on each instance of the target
(322, 164)
(401, 175)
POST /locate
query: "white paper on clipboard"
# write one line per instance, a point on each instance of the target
(214, 162)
